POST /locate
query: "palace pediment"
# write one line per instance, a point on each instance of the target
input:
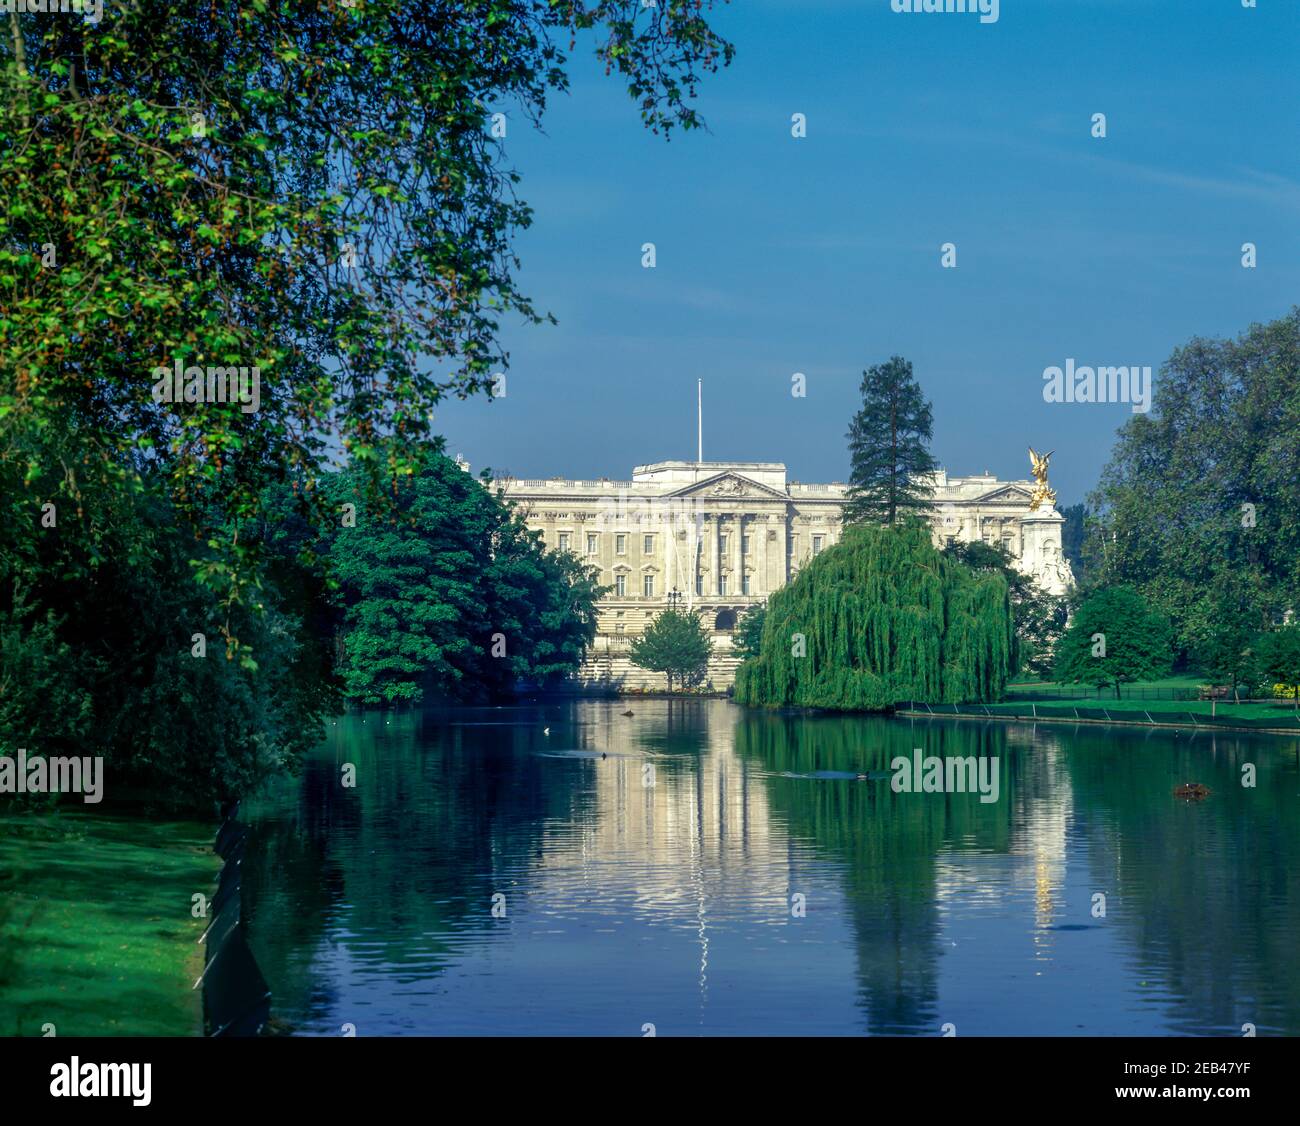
(1008, 494)
(728, 486)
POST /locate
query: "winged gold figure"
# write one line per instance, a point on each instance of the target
(1042, 491)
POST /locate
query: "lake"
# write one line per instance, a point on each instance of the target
(561, 869)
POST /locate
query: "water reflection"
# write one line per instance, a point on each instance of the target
(711, 870)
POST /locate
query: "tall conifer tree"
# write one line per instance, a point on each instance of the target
(889, 447)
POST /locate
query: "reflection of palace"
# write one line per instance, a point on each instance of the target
(1044, 804)
(719, 537)
(698, 847)
(711, 810)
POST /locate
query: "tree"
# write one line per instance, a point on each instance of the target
(878, 618)
(748, 638)
(314, 191)
(1279, 658)
(317, 194)
(109, 648)
(1040, 617)
(677, 645)
(1224, 638)
(1114, 637)
(888, 439)
(1073, 532)
(451, 593)
(1226, 654)
(1203, 489)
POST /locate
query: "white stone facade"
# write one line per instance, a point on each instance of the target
(716, 538)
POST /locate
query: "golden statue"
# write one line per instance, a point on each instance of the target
(1042, 491)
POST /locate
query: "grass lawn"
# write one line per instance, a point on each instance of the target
(1280, 710)
(1140, 697)
(96, 935)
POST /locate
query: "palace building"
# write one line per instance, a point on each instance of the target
(715, 538)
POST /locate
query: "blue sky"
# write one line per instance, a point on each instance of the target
(822, 255)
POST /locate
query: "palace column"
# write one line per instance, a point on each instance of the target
(714, 536)
(693, 565)
(671, 566)
(782, 550)
(736, 542)
(724, 529)
(669, 538)
(744, 527)
(733, 551)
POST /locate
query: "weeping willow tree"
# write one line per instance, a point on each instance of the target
(879, 618)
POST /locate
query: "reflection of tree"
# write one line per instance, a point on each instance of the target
(1207, 891)
(886, 842)
(437, 823)
(289, 883)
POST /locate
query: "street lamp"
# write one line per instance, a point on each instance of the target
(674, 598)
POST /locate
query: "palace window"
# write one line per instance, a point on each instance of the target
(744, 583)
(564, 541)
(620, 545)
(722, 545)
(648, 545)
(649, 582)
(620, 585)
(818, 543)
(699, 584)
(591, 544)
(722, 584)
(744, 545)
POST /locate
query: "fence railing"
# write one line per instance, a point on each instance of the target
(236, 998)
(1031, 710)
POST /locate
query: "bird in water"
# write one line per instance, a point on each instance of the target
(602, 754)
(546, 730)
(1192, 790)
(625, 713)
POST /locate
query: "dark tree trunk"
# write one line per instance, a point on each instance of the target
(893, 453)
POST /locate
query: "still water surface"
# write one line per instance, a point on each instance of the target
(675, 903)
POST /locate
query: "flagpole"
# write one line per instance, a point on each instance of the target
(699, 416)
